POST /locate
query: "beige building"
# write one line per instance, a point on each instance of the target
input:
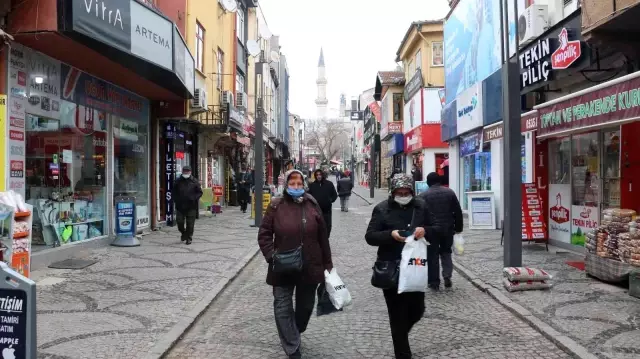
(423, 49)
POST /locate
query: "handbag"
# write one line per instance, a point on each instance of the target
(386, 272)
(290, 261)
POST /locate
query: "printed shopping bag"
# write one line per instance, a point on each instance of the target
(337, 290)
(413, 266)
(324, 305)
(458, 244)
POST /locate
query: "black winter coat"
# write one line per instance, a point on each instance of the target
(186, 194)
(324, 192)
(344, 187)
(445, 208)
(388, 216)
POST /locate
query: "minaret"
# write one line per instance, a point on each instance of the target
(321, 100)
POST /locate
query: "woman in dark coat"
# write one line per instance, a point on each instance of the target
(290, 221)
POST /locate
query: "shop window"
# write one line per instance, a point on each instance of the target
(240, 24)
(559, 164)
(611, 167)
(398, 107)
(65, 174)
(131, 163)
(220, 69)
(585, 162)
(200, 47)
(437, 57)
(239, 83)
(476, 169)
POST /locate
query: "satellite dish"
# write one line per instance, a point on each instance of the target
(229, 5)
(253, 48)
(264, 31)
(275, 56)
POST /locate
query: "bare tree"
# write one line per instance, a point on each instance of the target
(327, 137)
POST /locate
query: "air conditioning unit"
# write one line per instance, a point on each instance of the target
(199, 100)
(227, 97)
(241, 100)
(532, 23)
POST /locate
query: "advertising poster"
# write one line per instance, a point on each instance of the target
(469, 109)
(533, 226)
(413, 112)
(584, 219)
(43, 85)
(18, 67)
(125, 219)
(472, 45)
(3, 143)
(559, 212)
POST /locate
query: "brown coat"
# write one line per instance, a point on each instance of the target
(282, 228)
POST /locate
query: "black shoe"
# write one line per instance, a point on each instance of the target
(434, 287)
(296, 355)
(183, 238)
(188, 241)
(448, 283)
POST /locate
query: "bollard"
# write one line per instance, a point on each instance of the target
(17, 315)
(125, 214)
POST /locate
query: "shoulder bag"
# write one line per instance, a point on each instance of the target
(386, 272)
(291, 261)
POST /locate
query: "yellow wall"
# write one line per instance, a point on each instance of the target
(433, 75)
(219, 33)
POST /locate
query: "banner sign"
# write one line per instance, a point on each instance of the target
(470, 143)
(529, 121)
(125, 218)
(169, 136)
(533, 224)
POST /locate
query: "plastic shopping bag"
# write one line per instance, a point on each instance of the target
(413, 266)
(458, 244)
(324, 305)
(337, 290)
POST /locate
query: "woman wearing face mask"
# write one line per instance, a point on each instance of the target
(394, 219)
(292, 224)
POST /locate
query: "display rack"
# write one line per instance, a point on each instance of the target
(16, 246)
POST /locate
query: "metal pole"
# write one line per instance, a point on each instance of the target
(511, 180)
(259, 147)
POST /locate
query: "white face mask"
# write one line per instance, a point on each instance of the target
(403, 201)
(186, 176)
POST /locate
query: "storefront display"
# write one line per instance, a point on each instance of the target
(16, 218)
(476, 165)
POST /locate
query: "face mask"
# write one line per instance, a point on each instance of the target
(186, 176)
(403, 201)
(295, 192)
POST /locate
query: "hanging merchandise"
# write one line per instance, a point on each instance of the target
(15, 231)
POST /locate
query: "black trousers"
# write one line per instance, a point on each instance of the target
(405, 310)
(190, 218)
(440, 250)
(244, 198)
(327, 221)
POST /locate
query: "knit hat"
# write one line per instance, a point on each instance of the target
(401, 180)
(292, 171)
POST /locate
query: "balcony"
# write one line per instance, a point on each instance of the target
(604, 21)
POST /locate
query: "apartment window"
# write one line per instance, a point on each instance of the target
(239, 83)
(398, 107)
(418, 60)
(199, 47)
(437, 57)
(220, 68)
(240, 24)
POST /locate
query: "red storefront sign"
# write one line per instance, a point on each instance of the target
(423, 136)
(534, 227)
(568, 52)
(616, 101)
(394, 127)
(529, 121)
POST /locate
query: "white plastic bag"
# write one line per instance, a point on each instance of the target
(337, 290)
(414, 275)
(458, 244)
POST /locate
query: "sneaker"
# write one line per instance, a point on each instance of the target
(448, 283)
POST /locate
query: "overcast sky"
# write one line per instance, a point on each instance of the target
(359, 37)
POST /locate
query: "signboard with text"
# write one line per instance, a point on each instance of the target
(533, 224)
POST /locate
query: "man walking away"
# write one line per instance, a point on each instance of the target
(187, 196)
(245, 181)
(324, 192)
(344, 191)
(447, 215)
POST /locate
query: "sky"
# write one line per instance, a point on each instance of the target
(359, 38)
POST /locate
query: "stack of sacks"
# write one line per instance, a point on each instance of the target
(619, 224)
(523, 278)
(629, 247)
(601, 237)
(592, 241)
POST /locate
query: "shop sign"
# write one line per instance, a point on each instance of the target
(16, 122)
(493, 132)
(394, 127)
(584, 219)
(105, 21)
(357, 116)
(470, 143)
(533, 226)
(183, 62)
(559, 215)
(413, 140)
(44, 85)
(86, 90)
(559, 50)
(529, 122)
(395, 145)
(142, 216)
(17, 169)
(151, 36)
(618, 101)
(469, 109)
(236, 117)
(413, 112)
(13, 314)
(170, 132)
(411, 87)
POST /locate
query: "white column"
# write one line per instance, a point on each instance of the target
(429, 163)
(497, 154)
(529, 156)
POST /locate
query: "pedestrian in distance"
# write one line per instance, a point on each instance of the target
(325, 194)
(187, 193)
(245, 182)
(392, 221)
(294, 241)
(447, 215)
(344, 191)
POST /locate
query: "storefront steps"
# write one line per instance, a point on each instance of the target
(586, 317)
(139, 300)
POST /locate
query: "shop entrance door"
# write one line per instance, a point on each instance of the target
(586, 185)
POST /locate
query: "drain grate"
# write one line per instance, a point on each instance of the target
(73, 264)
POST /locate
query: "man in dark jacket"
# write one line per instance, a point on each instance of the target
(245, 181)
(187, 193)
(344, 191)
(447, 215)
(325, 194)
(401, 212)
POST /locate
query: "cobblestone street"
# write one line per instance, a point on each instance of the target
(460, 323)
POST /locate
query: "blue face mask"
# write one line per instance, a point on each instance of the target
(295, 192)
